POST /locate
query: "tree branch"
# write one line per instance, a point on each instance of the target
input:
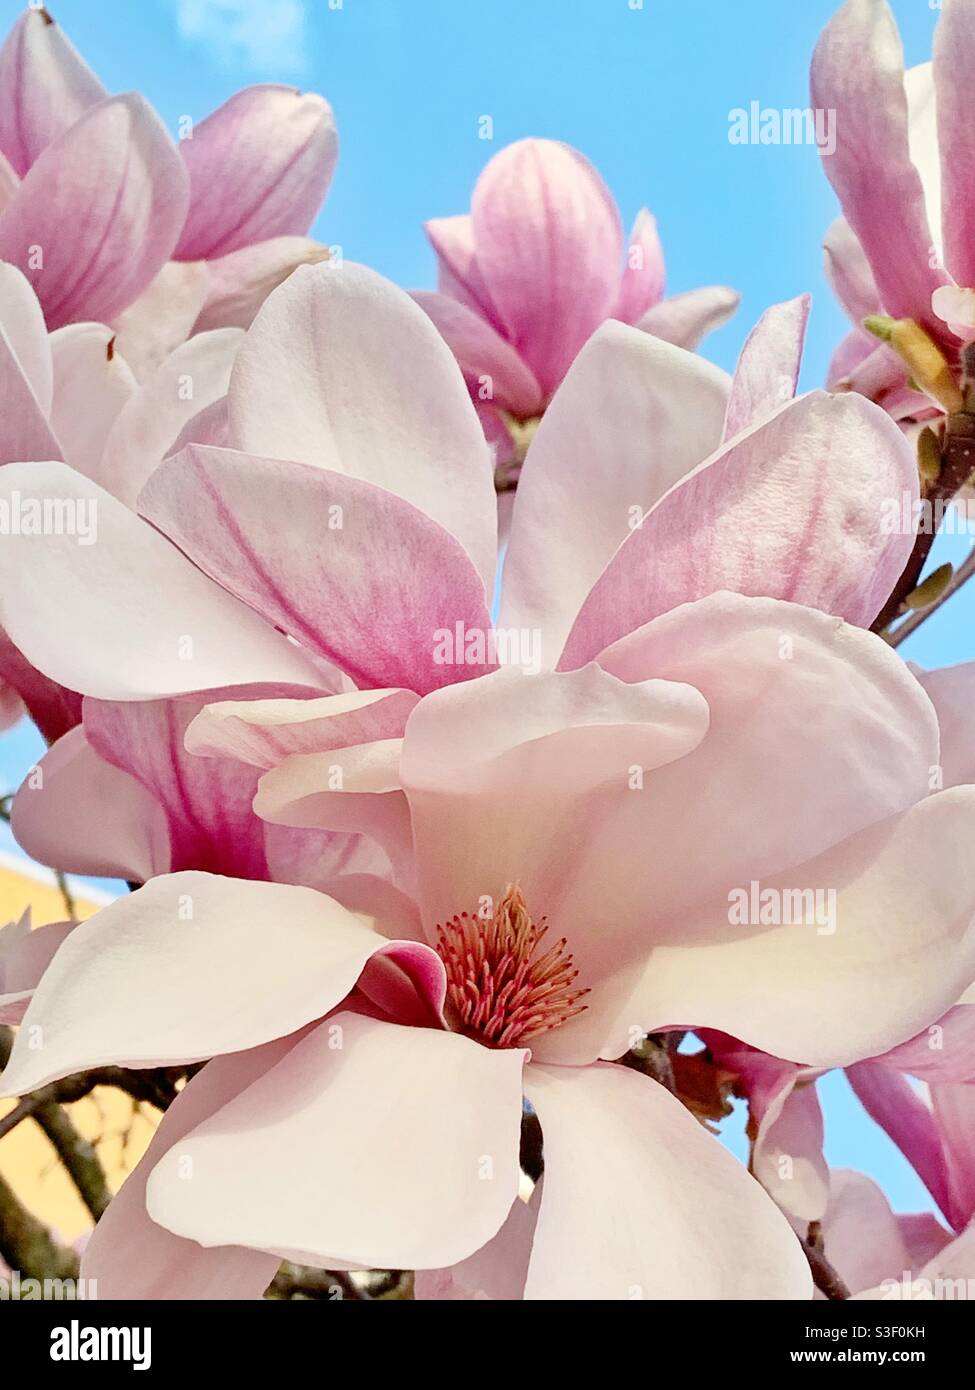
(27, 1245)
(78, 1157)
(825, 1277)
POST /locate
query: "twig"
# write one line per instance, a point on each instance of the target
(27, 1245)
(911, 624)
(825, 1277)
(78, 1157)
(957, 453)
(158, 1087)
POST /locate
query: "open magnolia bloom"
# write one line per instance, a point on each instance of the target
(165, 238)
(348, 536)
(532, 271)
(573, 801)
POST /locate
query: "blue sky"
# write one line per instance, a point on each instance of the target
(645, 92)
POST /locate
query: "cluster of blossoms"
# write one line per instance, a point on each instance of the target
(440, 667)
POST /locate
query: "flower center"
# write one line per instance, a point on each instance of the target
(503, 992)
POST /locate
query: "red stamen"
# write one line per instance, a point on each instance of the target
(501, 994)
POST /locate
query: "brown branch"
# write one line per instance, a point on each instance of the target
(158, 1087)
(825, 1277)
(957, 455)
(27, 1245)
(78, 1157)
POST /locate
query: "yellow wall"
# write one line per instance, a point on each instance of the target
(107, 1117)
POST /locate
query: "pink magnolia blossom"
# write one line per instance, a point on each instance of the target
(533, 270)
(502, 780)
(360, 521)
(356, 513)
(903, 172)
(238, 194)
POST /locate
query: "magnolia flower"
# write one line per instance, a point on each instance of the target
(356, 513)
(513, 802)
(238, 193)
(903, 172)
(534, 269)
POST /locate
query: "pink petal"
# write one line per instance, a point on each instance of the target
(686, 319)
(848, 272)
(259, 167)
(22, 320)
(862, 1240)
(853, 351)
(632, 418)
(25, 954)
(644, 276)
(797, 508)
(342, 370)
(87, 817)
(891, 1101)
(45, 86)
(354, 791)
(92, 383)
(262, 733)
(459, 274)
(130, 1257)
(115, 176)
(163, 316)
(944, 1051)
(486, 359)
(247, 963)
(549, 245)
(25, 432)
(953, 54)
(206, 801)
(53, 709)
(9, 182)
(155, 626)
(897, 953)
(453, 1107)
(497, 1271)
(639, 1202)
(240, 282)
(193, 377)
(211, 426)
(12, 707)
(956, 307)
(954, 1114)
(767, 374)
(858, 74)
(370, 593)
(951, 690)
(23, 962)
